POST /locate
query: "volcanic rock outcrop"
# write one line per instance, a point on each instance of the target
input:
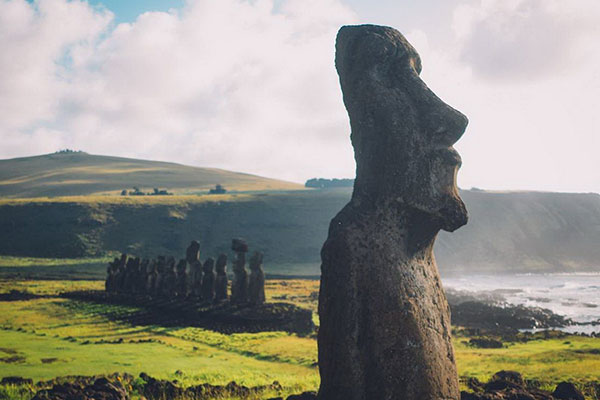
(385, 323)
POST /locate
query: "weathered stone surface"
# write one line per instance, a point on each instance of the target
(208, 280)
(256, 285)
(239, 286)
(567, 391)
(101, 389)
(192, 254)
(385, 323)
(181, 279)
(221, 280)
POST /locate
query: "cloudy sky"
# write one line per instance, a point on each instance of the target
(251, 86)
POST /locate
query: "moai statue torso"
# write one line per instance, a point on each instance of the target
(194, 277)
(181, 279)
(161, 271)
(256, 286)
(384, 320)
(120, 274)
(239, 286)
(170, 281)
(208, 281)
(142, 276)
(111, 272)
(221, 279)
(151, 278)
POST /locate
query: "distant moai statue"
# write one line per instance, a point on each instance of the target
(142, 276)
(131, 272)
(194, 276)
(239, 287)
(111, 276)
(208, 281)
(221, 279)
(170, 285)
(256, 287)
(161, 271)
(120, 274)
(151, 278)
(181, 279)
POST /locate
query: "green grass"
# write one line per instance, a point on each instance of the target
(50, 337)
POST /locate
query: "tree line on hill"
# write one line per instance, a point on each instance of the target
(323, 183)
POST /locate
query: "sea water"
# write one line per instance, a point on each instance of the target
(576, 296)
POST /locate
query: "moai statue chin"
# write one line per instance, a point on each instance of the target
(256, 285)
(384, 320)
(239, 286)
(221, 280)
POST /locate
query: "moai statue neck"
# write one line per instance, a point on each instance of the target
(385, 321)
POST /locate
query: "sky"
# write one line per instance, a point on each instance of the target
(250, 85)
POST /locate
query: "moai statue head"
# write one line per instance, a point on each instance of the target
(221, 266)
(241, 248)
(208, 265)
(404, 154)
(256, 261)
(192, 254)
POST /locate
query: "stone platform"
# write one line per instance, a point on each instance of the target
(222, 317)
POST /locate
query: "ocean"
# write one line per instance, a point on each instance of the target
(576, 296)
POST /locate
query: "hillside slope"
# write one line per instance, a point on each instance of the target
(76, 174)
(507, 232)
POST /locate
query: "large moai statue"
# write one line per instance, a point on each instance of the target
(256, 286)
(384, 320)
(208, 281)
(239, 286)
(192, 256)
(221, 280)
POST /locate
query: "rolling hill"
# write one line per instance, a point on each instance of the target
(513, 232)
(77, 174)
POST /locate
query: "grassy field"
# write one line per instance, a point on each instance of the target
(76, 174)
(50, 336)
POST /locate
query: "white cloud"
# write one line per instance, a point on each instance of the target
(225, 83)
(527, 39)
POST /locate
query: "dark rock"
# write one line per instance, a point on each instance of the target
(303, 396)
(486, 343)
(155, 389)
(16, 380)
(504, 379)
(101, 389)
(567, 391)
(385, 323)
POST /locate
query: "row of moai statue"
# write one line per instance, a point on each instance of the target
(190, 278)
